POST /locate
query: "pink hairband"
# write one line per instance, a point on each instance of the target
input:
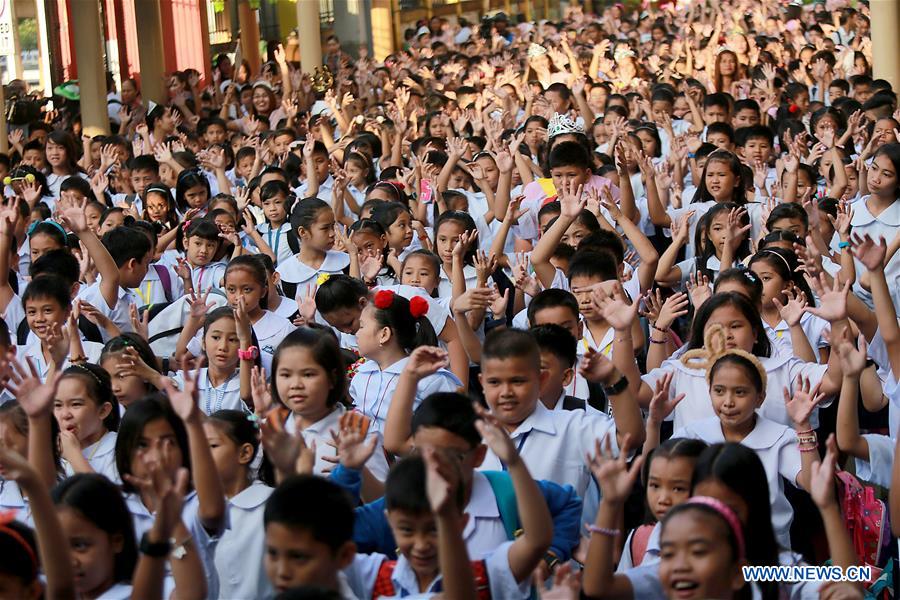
(730, 517)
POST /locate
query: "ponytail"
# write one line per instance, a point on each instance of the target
(407, 319)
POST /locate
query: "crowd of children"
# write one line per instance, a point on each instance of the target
(603, 307)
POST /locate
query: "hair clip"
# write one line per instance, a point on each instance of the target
(51, 222)
(418, 307)
(322, 278)
(254, 419)
(28, 178)
(384, 299)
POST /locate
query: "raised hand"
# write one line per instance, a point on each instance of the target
(185, 402)
(674, 307)
(615, 308)
(259, 391)
(425, 361)
(792, 310)
(800, 406)
(613, 474)
(821, 480)
(495, 437)
(870, 253)
(288, 453)
(853, 358)
(596, 367)
(353, 448)
(832, 303)
(34, 396)
(661, 406)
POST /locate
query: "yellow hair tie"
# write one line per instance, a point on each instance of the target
(714, 348)
(322, 278)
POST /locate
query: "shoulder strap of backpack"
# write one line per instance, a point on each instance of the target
(639, 540)
(502, 486)
(573, 403)
(165, 279)
(383, 584)
(22, 332)
(90, 331)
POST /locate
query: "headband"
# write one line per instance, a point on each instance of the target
(726, 513)
(783, 259)
(86, 370)
(34, 225)
(8, 516)
(714, 349)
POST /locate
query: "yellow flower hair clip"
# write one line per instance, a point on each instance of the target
(714, 348)
(322, 278)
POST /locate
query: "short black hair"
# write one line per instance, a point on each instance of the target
(123, 245)
(787, 210)
(721, 127)
(449, 411)
(314, 505)
(58, 262)
(557, 340)
(404, 488)
(591, 263)
(144, 162)
(565, 154)
(763, 132)
(501, 344)
(48, 286)
(717, 99)
(551, 298)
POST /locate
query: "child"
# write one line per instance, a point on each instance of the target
(192, 192)
(389, 329)
(360, 175)
(274, 199)
(234, 443)
(309, 378)
(88, 417)
(453, 228)
(227, 344)
(737, 383)
(559, 360)
(199, 239)
(132, 252)
(152, 436)
(133, 369)
(396, 220)
(549, 442)
(100, 535)
(313, 222)
(62, 160)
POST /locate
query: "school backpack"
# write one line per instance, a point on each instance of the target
(867, 519)
(89, 330)
(384, 587)
(165, 278)
(165, 327)
(639, 540)
(502, 486)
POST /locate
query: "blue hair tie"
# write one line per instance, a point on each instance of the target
(34, 225)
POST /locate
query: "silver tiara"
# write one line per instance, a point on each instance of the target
(534, 51)
(561, 124)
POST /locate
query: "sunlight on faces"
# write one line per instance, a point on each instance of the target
(92, 551)
(42, 313)
(302, 384)
(511, 388)
(294, 558)
(320, 235)
(734, 396)
(668, 483)
(696, 558)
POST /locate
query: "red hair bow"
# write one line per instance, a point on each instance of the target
(418, 307)
(793, 108)
(384, 299)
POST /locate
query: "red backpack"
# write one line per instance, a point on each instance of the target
(385, 587)
(639, 540)
(866, 517)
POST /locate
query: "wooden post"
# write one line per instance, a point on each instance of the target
(148, 15)
(310, 35)
(885, 19)
(91, 73)
(250, 34)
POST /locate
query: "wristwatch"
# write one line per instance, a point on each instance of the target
(616, 388)
(249, 354)
(155, 549)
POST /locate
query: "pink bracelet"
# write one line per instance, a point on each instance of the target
(813, 449)
(602, 530)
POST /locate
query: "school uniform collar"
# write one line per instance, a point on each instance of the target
(253, 496)
(713, 263)
(370, 366)
(11, 497)
(783, 326)
(559, 402)
(605, 346)
(136, 505)
(468, 273)
(295, 271)
(231, 384)
(269, 324)
(405, 580)
(861, 215)
(104, 446)
(763, 436)
(541, 419)
(326, 423)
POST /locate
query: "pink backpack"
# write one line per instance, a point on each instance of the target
(866, 517)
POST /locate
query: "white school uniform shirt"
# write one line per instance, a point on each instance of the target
(118, 314)
(270, 330)
(209, 276)
(240, 551)
(320, 433)
(11, 498)
(372, 388)
(754, 213)
(363, 571)
(815, 328)
(119, 591)
(688, 267)
(286, 307)
(226, 396)
(879, 468)
(445, 286)
(777, 448)
(277, 239)
(202, 541)
(32, 348)
(886, 224)
(553, 445)
(152, 291)
(302, 275)
(101, 455)
(781, 372)
(14, 315)
(651, 553)
(326, 190)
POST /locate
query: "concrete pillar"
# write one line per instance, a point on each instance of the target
(88, 35)
(4, 132)
(885, 19)
(352, 21)
(44, 48)
(148, 16)
(310, 35)
(250, 34)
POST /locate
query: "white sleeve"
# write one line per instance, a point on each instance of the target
(878, 469)
(500, 577)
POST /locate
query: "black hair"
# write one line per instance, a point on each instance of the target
(892, 152)
(171, 208)
(385, 213)
(450, 411)
(558, 341)
(60, 263)
(67, 141)
(721, 127)
(787, 210)
(123, 245)
(741, 361)
(567, 154)
(593, 264)
(99, 387)
(761, 346)
(251, 264)
(150, 408)
(468, 223)
(787, 266)
(502, 344)
(126, 340)
(706, 249)
(144, 162)
(743, 277)
(18, 561)
(740, 469)
(78, 184)
(272, 188)
(672, 448)
(100, 501)
(313, 505)
(410, 332)
(305, 213)
(240, 429)
(49, 286)
(325, 351)
(186, 180)
(738, 195)
(51, 230)
(603, 240)
(717, 99)
(404, 488)
(709, 511)
(340, 291)
(201, 227)
(551, 298)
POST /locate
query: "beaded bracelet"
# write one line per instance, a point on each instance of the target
(665, 341)
(602, 530)
(805, 432)
(810, 449)
(666, 330)
(808, 439)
